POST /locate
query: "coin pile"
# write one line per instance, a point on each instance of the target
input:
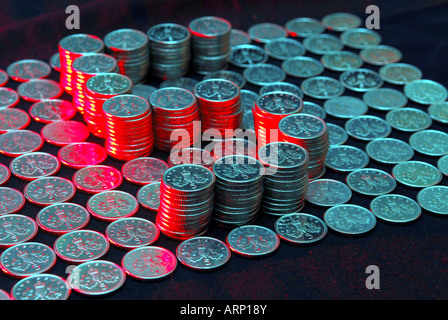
(186, 201)
(238, 190)
(311, 133)
(129, 127)
(175, 111)
(130, 48)
(169, 47)
(286, 177)
(210, 44)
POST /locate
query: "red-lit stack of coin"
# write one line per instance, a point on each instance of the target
(98, 89)
(269, 109)
(219, 103)
(175, 111)
(128, 122)
(186, 201)
(72, 47)
(84, 68)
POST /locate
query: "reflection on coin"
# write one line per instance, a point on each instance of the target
(321, 87)
(371, 182)
(433, 199)
(341, 21)
(304, 27)
(361, 80)
(367, 128)
(341, 61)
(11, 200)
(300, 228)
(439, 112)
(416, 174)
(253, 241)
(380, 55)
(346, 158)
(350, 219)
(389, 150)
(281, 86)
(385, 99)
(16, 228)
(239, 37)
(266, 32)
(314, 109)
(81, 245)
(400, 73)
(425, 91)
(284, 48)
(442, 164)
(130, 233)
(63, 217)
(360, 38)
(41, 287)
(395, 208)
(345, 107)
(302, 67)
(430, 142)
(408, 119)
(64, 132)
(82, 154)
(336, 134)
(328, 192)
(263, 74)
(322, 43)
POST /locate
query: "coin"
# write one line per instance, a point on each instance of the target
(408, 119)
(34, 165)
(442, 165)
(24, 70)
(4, 295)
(144, 170)
(13, 119)
(341, 61)
(385, 99)
(322, 43)
(302, 67)
(389, 150)
(300, 228)
(430, 142)
(345, 107)
(425, 91)
(41, 287)
(341, 21)
(395, 208)
(239, 37)
(55, 61)
(349, 219)
(12, 201)
(266, 32)
(314, 109)
(322, 87)
(47, 111)
(400, 73)
(380, 55)
(262, 74)
(143, 90)
(98, 277)
(233, 76)
(346, 158)
(336, 134)
(130, 233)
(59, 218)
(203, 253)
(27, 259)
(252, 241)
(244, 56)
(17, 142)
(367, 128)
(48, 190)
(16, 228)
(416, 174)
(284, 48)
(149, 263)
(180, 82)
(4, 78)
(433, 199)
(149, 196)
(82, 154)
(39, 89)
(5, 174)
(328, 192)
(111, 205)
(8, 98)
(361, 80)
(371, 182)
(439, 112)
(304, 27)
(280, 86)
(360, 38)
(61, 133)
(97, 178)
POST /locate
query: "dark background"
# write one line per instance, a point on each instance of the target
(413, 259)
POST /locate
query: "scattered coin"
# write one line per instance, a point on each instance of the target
(41, 287)
(328, 192)
(15, 229)
(149, 196)
(302, 67)
(425, 91)
(360, 38)
(361, 80)
(336, 134)
(346, 158)
(385, 99)
(322, 43)
(55, 61)
(48, 190)
(380, 55)
(408, 119)
(430, 142)
(433, 199)
(263, 74)
(439, 112)
(13, 119)
(11, 201)
(266, 32)
(4, 78)
(395, 208)
(341, 21)
(8, 98)
(24, 70)
(59, 218)
(47, 111)
(4, 295)
(39, 89)
(239, 37)
(367, 128)
(400, 73)
(345, 107)
(304, 27)
(82, 154)
(252, 241)
(246, 55)
(34, 165)
(111, 205)
(314, 109)
(144, 170)
(389, 150)
(416, 174)
(130, 233)
(300, 228)
(97, 178)
(341, 61)
(371, 182)
(17, 142)
(321, 87)
(349, 219)
(5, 174)
(442, 164)
(284, 48)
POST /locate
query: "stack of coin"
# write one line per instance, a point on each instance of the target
(210, 44)
(219, 103)
(72, 47)
(175, 111)
(186, 201)
(130, 48)
(269, 109)
(169, 47)
(97, 90)
(238, 190)
(286, 178)
(311, 133)
(129, 127)
(86, 67)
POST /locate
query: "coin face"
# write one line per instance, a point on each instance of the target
(16, 228)
(385, 99)
(283, 155)
(82, 154)
(345, 107)
(47, 111)
(17, 142)
(203, 253)
(24, 70)
(143, 90)
(360, 38)
(216, 90)
(61, 218)
(279, 103)
(239, 37)
(349, 219)
(94, 63)
(361, 80)
(48, 190)
(61, 133)
(266, 32)
(4, 295)
(341, 61)
(395, 208)
(417, 174)
(346, 158)
(433, 199)
(149, 263)
(81, 43)
(302, 67)
(252, 241)
(300, 228)
(4, 78)
(263, 74)
(304, 27)
(130, 233)
(188, 177)
(246, 55)
(322, 87)
(144, 170)
(425, 91)
(149, 196)
(367, 128)
(371, 182)
(336, 134)
(380, 55)
(39, 89)
(13, 119)
(8, 98)
(442, 164)
(108, 84)
(341, 21)
(5, 174)
(322, 43)
(34, 165)
(238, 168)
(400, 73)
(125, 40)
(389, 150)
(314, 109)
(111, 205)
(328, 192)
(97, 178)
(430, 142)
(41, 287)
(284, 48)
(209, 26)
(439, 112)
(408, 119)
(233, 76)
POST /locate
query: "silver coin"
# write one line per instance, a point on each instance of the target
(4, 295)
(400, 73)
(55, 61)
(300, 228)
(266, 32)
(425, 91)
(203, 253)
(263, 74)
(94, 63)
(149, 196)
(442, 165)
(395, 208)
(16, 228)
(5, 174)
(430, 142)
(328, 192)
(314, 109)
(279, 102)
(367, 128)
(39, 89)
(341, 21)
(439, 112)
(341, 61)
(349, 219)
(346, 158)
(61, 218)
(216, 90)
(48, 190)
(371, 182)
(109, 84)
(336, 134)
(253, 241)
(385, 99)
(143, 90)
(433, 199)
(304, 27)
(389, 150)
(302, 67)
(177, 178)
(360, 38)
(361, 80)
(233, 76)
(182, 82)
(282, 86)
(172, 98)
(8, 98)
(380, 55)
(239, 37)
(34, 165)
(24, 70)
(130, 233)
(416, 174)
(408, 119)
(81, 43)
(284, 48)
(244, 56)
(322, 44)
(41, 287)
(11, 201)
(321, 87)
(345, 107)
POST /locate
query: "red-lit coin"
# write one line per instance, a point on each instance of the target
(4, 78)
(82, 154)
(112, 205)
(24, 70)
(149, 196)
(130, 233)
(8, 98)
(48, 190)
(144, 170)
(34, 165)
(47, 111)
(62, 133)
(62, 217)
(5, 174)
(16, 228)
(13, 119)
(39, 89)
(98, 178)
(11, 200)
(17, 142)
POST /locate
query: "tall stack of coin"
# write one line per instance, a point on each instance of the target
(210, 44)
(72, 47)
(238, 190)
(219, 103)
(286, 178)
(86, 67)
(311, 133)
(130, 48)
(175, 110)
(97, 90)
(186, 201)
(169, 47)
(129, 127)
(269, 109)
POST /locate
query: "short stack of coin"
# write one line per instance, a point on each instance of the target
(175, 111)
(129, 127)
(210, 44)
(238, 190)
(286, 177)
(169, 47)
(311, 133)
(269, 109)
(130, 48)
(97, 90)
(86, 67)
(186, 201)
(72, 47)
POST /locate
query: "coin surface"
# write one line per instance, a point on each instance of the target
(328, 192)
(262, 74)
(300, 228)
(27, 69)
(97, 178)
(111, 205)
(341, 21)
(149, 196)
(302, 67)
(345, 107)
(314, 109)
(322, 43)
(55, 61)
(389, 150)
(349, 219)
(239, 37)
(430, 142)
(346, 158)
(82, 154)
(47, 111)
(439, 112)
(13, 119)
(336, 134)
(4, 295)
(442, 164)
(41, 287)
(266, 32)
(341, 61)
(130, 233)
(48, 190)
(395, 208)
(380, 55)
(39, 89)
(233, 76)
(400, 73)
(203, 253)
(34, 165)
(244, 56)
(253, 241)
(416, 174)
(5, 174)
(144, 170)
(322, 87)
(4, 78)
(360, 38)
(64, 132)
(8, 98)
(385, 99)
(425, 91)
(304, 27)
(371, 182)
(284, 48)
(11, 200)
(367, 128)
(408, 119)
(181, 82)
(17, 142)
(63, 217)
(16, 228)
(433, 199)
(361, 80)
